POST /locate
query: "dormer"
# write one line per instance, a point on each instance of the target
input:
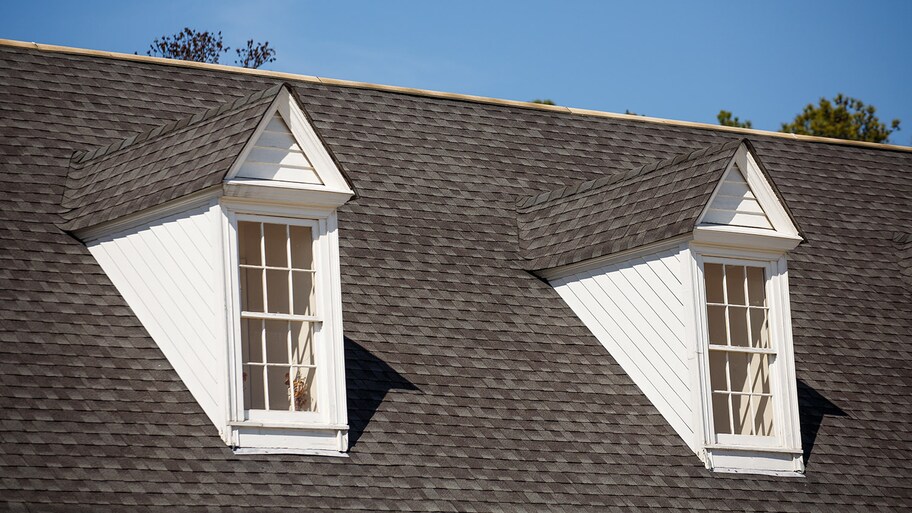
(679, 268)
(220, 232)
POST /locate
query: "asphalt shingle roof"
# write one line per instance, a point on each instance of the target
(621, 211)
(162, 164)
(471, 386)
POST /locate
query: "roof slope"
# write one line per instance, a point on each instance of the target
(621, 211)
(158, 165)
(471, 386)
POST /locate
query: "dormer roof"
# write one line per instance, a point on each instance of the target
(196, 153)
(635, 208)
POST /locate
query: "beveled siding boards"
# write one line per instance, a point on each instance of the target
(277, 156)
(635, 308)
(735, 204)
(745, 199)
(165, 270)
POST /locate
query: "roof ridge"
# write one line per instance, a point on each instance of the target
(444, 95)
(81, 158)
(570, 190)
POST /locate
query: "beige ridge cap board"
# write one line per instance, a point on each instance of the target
(439, 94)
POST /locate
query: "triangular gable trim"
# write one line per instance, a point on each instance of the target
(307, 165)
(771, 209)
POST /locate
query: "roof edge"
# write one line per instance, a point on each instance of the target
(441, 94)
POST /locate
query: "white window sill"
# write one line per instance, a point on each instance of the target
(256, 437)
(775, 473)
(289, 425)
(252, 451)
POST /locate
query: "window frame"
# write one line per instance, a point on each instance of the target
(316, 320)
(273, 428)
(782, 451)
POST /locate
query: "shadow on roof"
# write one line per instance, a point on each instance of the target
(812, 407)
(368, 379)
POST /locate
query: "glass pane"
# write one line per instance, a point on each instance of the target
(756, 286)
(276, 248)
(717, 374)
(253, 388)
(763, 411)
(737, 323)
(277, 291)
(279, 391)
(251, 340)
(759, 328)
(713, 275)
(303, 292)
(717, 328)
(734, 281)
(720, 413)
(759, 374)
(742, 410)
(251, 290)
(277, 341)
(248, 243)
(305, 397)
(738, 370)
(301, 247)
(302, 343)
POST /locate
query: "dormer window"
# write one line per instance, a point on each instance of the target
(679, 269)
(228, 253)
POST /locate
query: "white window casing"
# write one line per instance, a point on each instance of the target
(735, 452)
(309, 431)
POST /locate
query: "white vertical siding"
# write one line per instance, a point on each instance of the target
(736, 205)
(277, 156)
(636, 310)
(166, 272)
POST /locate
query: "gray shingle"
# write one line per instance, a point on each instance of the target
(621, 211)
(472, 386)
(162, 164)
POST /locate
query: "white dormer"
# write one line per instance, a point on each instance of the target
(239, 285)
(701, 323)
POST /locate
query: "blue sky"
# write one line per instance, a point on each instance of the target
(673, 59)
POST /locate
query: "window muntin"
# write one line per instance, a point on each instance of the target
(278, 316)
(741, 352)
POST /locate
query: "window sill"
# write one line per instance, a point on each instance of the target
(253, 451)
(252, 437)
(289, 425)
(752, 448)
(754, 460)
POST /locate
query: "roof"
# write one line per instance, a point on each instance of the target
(161, 164)
(621, 211)
(471, 386)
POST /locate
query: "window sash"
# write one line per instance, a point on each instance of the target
(771, 353)
(312, 322)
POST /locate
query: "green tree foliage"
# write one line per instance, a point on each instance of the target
(544, 101)
(726, 119)
(843, 118)
(205, 46)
